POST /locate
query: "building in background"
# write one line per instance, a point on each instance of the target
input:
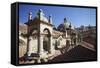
(88, 34)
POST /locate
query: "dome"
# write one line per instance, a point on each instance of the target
(73, 27)
(42, 15)
(64, 25)
(42, 19)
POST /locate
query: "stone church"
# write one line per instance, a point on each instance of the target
(39, 39)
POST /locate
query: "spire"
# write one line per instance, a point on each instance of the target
(50, 19)
(30, 16)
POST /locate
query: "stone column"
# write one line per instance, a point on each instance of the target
(40, 44)
(51, 45)
(29, 46)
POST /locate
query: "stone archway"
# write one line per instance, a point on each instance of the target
(46, 40)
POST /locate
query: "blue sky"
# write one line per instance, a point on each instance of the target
(77, 16)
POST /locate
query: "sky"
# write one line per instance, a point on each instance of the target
(77, 16)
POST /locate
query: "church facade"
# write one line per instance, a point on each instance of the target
(39, 39)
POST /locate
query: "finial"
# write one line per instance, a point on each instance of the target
(65, 20)
(40, 14)
(50, 19)
(40, 10)
(30, 16)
